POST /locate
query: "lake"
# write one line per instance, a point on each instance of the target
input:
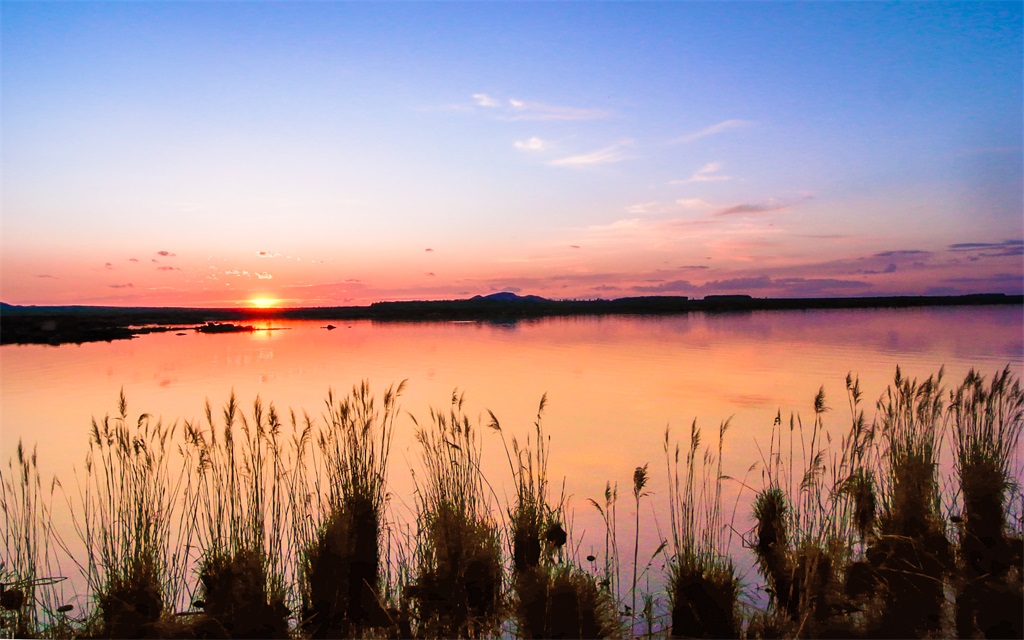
(613, 385)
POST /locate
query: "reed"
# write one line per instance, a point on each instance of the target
(612, 565)
(554, 598)
(816, 505)
(343, 564)
(458, 589)
(29, 571)
(702, 586)
(251, 522)
(241, 499)
(987, 424)
(534, 523)
(133, 523)
(911, 556)
(563, 601)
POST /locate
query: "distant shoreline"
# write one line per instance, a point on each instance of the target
(55, 325)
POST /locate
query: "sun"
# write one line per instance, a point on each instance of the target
(263, 303)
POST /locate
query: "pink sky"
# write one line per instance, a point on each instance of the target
(206, 154)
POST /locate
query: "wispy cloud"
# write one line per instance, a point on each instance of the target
(484, 100)
(168, 269)
(889, 268)
(721, 127)
(523, 110)
(46, 275)
(607, 155)
(531, 144)
(764, 207)
(645, 208)
(263, 275)
(693, 203)
(516, 109)
(126, 285)
(268, 254)
(166, 254)
(901, 252)
(707, 173)
(991, 249)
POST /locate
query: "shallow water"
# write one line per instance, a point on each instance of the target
(613, 385)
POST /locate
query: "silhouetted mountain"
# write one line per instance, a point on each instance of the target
(508, 296)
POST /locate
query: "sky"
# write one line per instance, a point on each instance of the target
(335, 153)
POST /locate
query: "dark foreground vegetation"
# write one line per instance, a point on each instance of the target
(77, 324)
(257, 525)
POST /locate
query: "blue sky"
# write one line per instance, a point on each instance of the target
(362, 151)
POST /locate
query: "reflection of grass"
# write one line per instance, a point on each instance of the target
(271, 530)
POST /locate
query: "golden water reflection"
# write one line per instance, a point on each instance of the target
(613, 383)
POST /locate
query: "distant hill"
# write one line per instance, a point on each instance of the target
(508, 296)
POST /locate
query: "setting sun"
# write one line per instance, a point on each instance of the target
(263, 303)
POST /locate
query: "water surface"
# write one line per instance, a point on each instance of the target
(613, 384)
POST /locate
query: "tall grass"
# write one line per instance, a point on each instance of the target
(276, 528)
(29, 572)
(242, 499)
(817, 505)
(553, 597)
(703, 587)
(343, 562)
(911, 556)
(532, 515)
(612, 570)
(135, 526)
(798, 537)
(459, 584)
(987, 424)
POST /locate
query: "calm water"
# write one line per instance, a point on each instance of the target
(613, 384)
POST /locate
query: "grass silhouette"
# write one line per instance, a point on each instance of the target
(249, 525)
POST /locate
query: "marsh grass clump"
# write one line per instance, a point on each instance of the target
(817, 504)
(553, 598)
(458, 589)
(342, 568)
(704, 596)
(772, 543)
(703, 587)
(534, 523)
(134, 525)
(987, 423)
(912, 555)
(241, 496)
(563, 601)
(236, 595)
